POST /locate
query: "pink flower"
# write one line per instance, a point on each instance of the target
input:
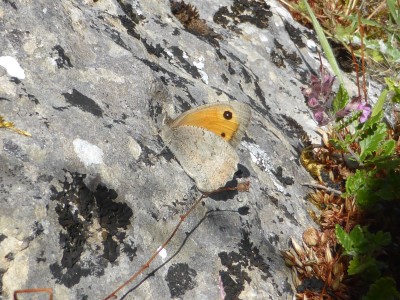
(366, 111)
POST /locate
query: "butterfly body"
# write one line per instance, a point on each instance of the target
(203, 140)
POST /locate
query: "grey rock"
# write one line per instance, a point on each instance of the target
(94, 192)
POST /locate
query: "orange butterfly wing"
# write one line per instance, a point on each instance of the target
(220, 119)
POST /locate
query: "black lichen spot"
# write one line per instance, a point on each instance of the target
(130, 19)
(295, 34)
(295, 131)
(130, 250)
(10, 256)
(156, 50)
(255, 12)
(2, 237)
(37, 228)
(283, 179)
(279, 56)
(115, 36)
(62, 60)
(179, 55)
(244, 210)
(2, 272)
(41, 257)
(15, 80)
(235, 277)
(77, 207)
(14, 149)
(84, 103)
(33, 99)
(13, 5)
(180, 279)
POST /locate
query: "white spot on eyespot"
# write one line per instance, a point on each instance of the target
(88, 154)
(12, 67)
(162, 253)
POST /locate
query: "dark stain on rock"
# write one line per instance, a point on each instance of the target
(178, 81)
(130, 19)
(2, 237)
(15, 80)
(156, 50)
(13, 5)
(62, 60)
(224, 78)
(178, 54)
(237, 264)
(279, 56)
(116, 37)
(37, 228)
(16, 36)
(294, 130)
(180, 278)
(2, 272)
(176, 32)
(77, 207)
(285, 180)
(244, 210)
(10, 256)
(130, 26)
(41, 257)
(15, 150)
(295, 34)
(83, 102)
(255, 12)
(246, 75)
(33, 99)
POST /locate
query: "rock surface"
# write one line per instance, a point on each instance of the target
(93, 193)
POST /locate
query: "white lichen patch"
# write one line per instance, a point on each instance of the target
(199, 64)
(12, 67)
(88, 153)
(263, 161)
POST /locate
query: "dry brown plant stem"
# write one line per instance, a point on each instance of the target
(38, 290)
(240, 187)
(322, 187)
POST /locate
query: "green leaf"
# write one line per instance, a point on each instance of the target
(355, 182)
(324, 43)
(379, 104)
(360, 264)
(344, 239)
(341, 99)
(371, 143)
(377, 240)
(393, 11)
(384, 288)
(394, 87)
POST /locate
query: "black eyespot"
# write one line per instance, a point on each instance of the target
(223, 134)
(227, 115)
